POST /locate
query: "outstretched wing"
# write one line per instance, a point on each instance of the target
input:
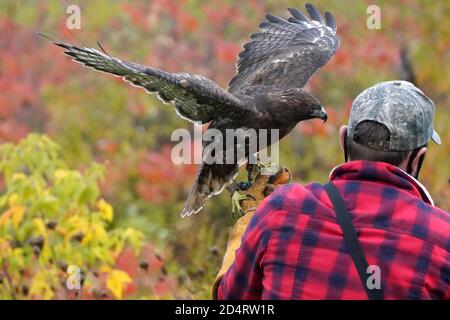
(196, 98)
(286, 53)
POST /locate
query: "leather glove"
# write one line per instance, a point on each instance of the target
(262, 187)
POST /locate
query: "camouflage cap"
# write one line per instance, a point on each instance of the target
(405, 110)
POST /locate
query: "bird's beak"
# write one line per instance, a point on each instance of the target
(320, 114)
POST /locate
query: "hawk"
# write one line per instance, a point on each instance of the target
(266, 92)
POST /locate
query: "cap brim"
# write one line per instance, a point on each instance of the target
(435, 137)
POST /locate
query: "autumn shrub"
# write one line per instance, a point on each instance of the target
(54, 221)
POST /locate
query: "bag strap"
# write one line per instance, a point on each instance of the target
(351, 240)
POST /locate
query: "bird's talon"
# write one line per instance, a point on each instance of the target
(236, 198)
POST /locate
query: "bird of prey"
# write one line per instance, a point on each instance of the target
(266, 92)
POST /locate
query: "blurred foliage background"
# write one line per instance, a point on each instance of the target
(98, 118)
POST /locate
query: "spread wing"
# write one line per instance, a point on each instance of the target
(286, 53)
(196, 98)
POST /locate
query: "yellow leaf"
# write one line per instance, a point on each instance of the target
(19, 176)
(60, 174)
(5, 249)
(17, 215)
(106, 210)
(40, 287)
(5, 217)
(40, 225)
(118, 248)
(99, 233)
(117, 279)
(134, 238)
(87, 237)
(13, 199)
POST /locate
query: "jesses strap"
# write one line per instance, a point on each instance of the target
(351, 240)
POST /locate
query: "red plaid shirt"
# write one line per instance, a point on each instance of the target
(293, 247)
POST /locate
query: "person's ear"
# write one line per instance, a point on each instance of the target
(342, 137)
(417, 161)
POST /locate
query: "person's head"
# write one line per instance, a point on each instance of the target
(390, 122)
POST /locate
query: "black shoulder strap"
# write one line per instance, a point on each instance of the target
(351, 240)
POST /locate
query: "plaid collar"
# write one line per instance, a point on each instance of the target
(381, 172)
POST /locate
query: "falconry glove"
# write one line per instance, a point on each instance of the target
(263, 186)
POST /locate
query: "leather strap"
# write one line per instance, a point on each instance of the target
(351, 240)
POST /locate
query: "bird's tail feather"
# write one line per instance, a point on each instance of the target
(211, 180)
(194, 203)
